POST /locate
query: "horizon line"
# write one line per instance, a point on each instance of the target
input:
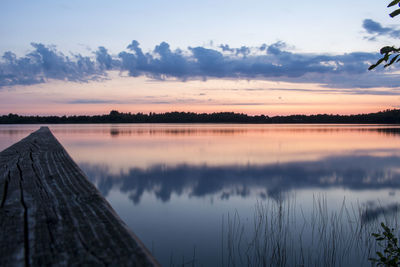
(199, 113)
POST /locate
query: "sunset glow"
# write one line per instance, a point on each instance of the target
(128, 94)
(73, 58)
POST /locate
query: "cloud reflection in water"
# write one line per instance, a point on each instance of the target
(353, 172)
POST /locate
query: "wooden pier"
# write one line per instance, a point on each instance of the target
(51, 215)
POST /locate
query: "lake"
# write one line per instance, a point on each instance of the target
(214, 194)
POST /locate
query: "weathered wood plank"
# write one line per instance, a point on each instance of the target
(50, 214)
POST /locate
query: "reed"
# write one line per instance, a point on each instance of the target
(282, 234)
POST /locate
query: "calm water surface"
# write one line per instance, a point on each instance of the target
(177, 186)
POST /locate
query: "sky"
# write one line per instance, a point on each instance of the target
(254, 57)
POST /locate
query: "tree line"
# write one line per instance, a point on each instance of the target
(387, 117)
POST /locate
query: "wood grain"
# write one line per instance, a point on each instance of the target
(50, 214)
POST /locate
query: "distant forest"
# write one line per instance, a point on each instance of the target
(385, 117)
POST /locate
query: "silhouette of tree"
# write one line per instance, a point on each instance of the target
(387, 116)
(390, 54)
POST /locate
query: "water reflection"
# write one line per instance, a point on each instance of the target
(126, 146)
(389, 131)
(196, 129)
(172, 184)
(270, 180)
(374, 211)
(226, 130)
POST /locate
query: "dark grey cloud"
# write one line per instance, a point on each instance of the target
(390, 91)
(44, 63)
(263, 47)
(104, 60)
(376, 29)
(269, 62)
(226, 47)
(159, 64)
(244, 51)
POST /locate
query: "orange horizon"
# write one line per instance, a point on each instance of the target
(141, 94)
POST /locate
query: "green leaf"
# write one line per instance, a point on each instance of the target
(386, 58)
(372, 67)
(379, 61)
(395, 13)
(393, 3)
(385, 50)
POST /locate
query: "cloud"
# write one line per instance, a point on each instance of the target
(226, 47)
(376, 29)
(44, 63)
(390, 91)
(245, 104)
(103, 58)
(93, 101)
(268, 62)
